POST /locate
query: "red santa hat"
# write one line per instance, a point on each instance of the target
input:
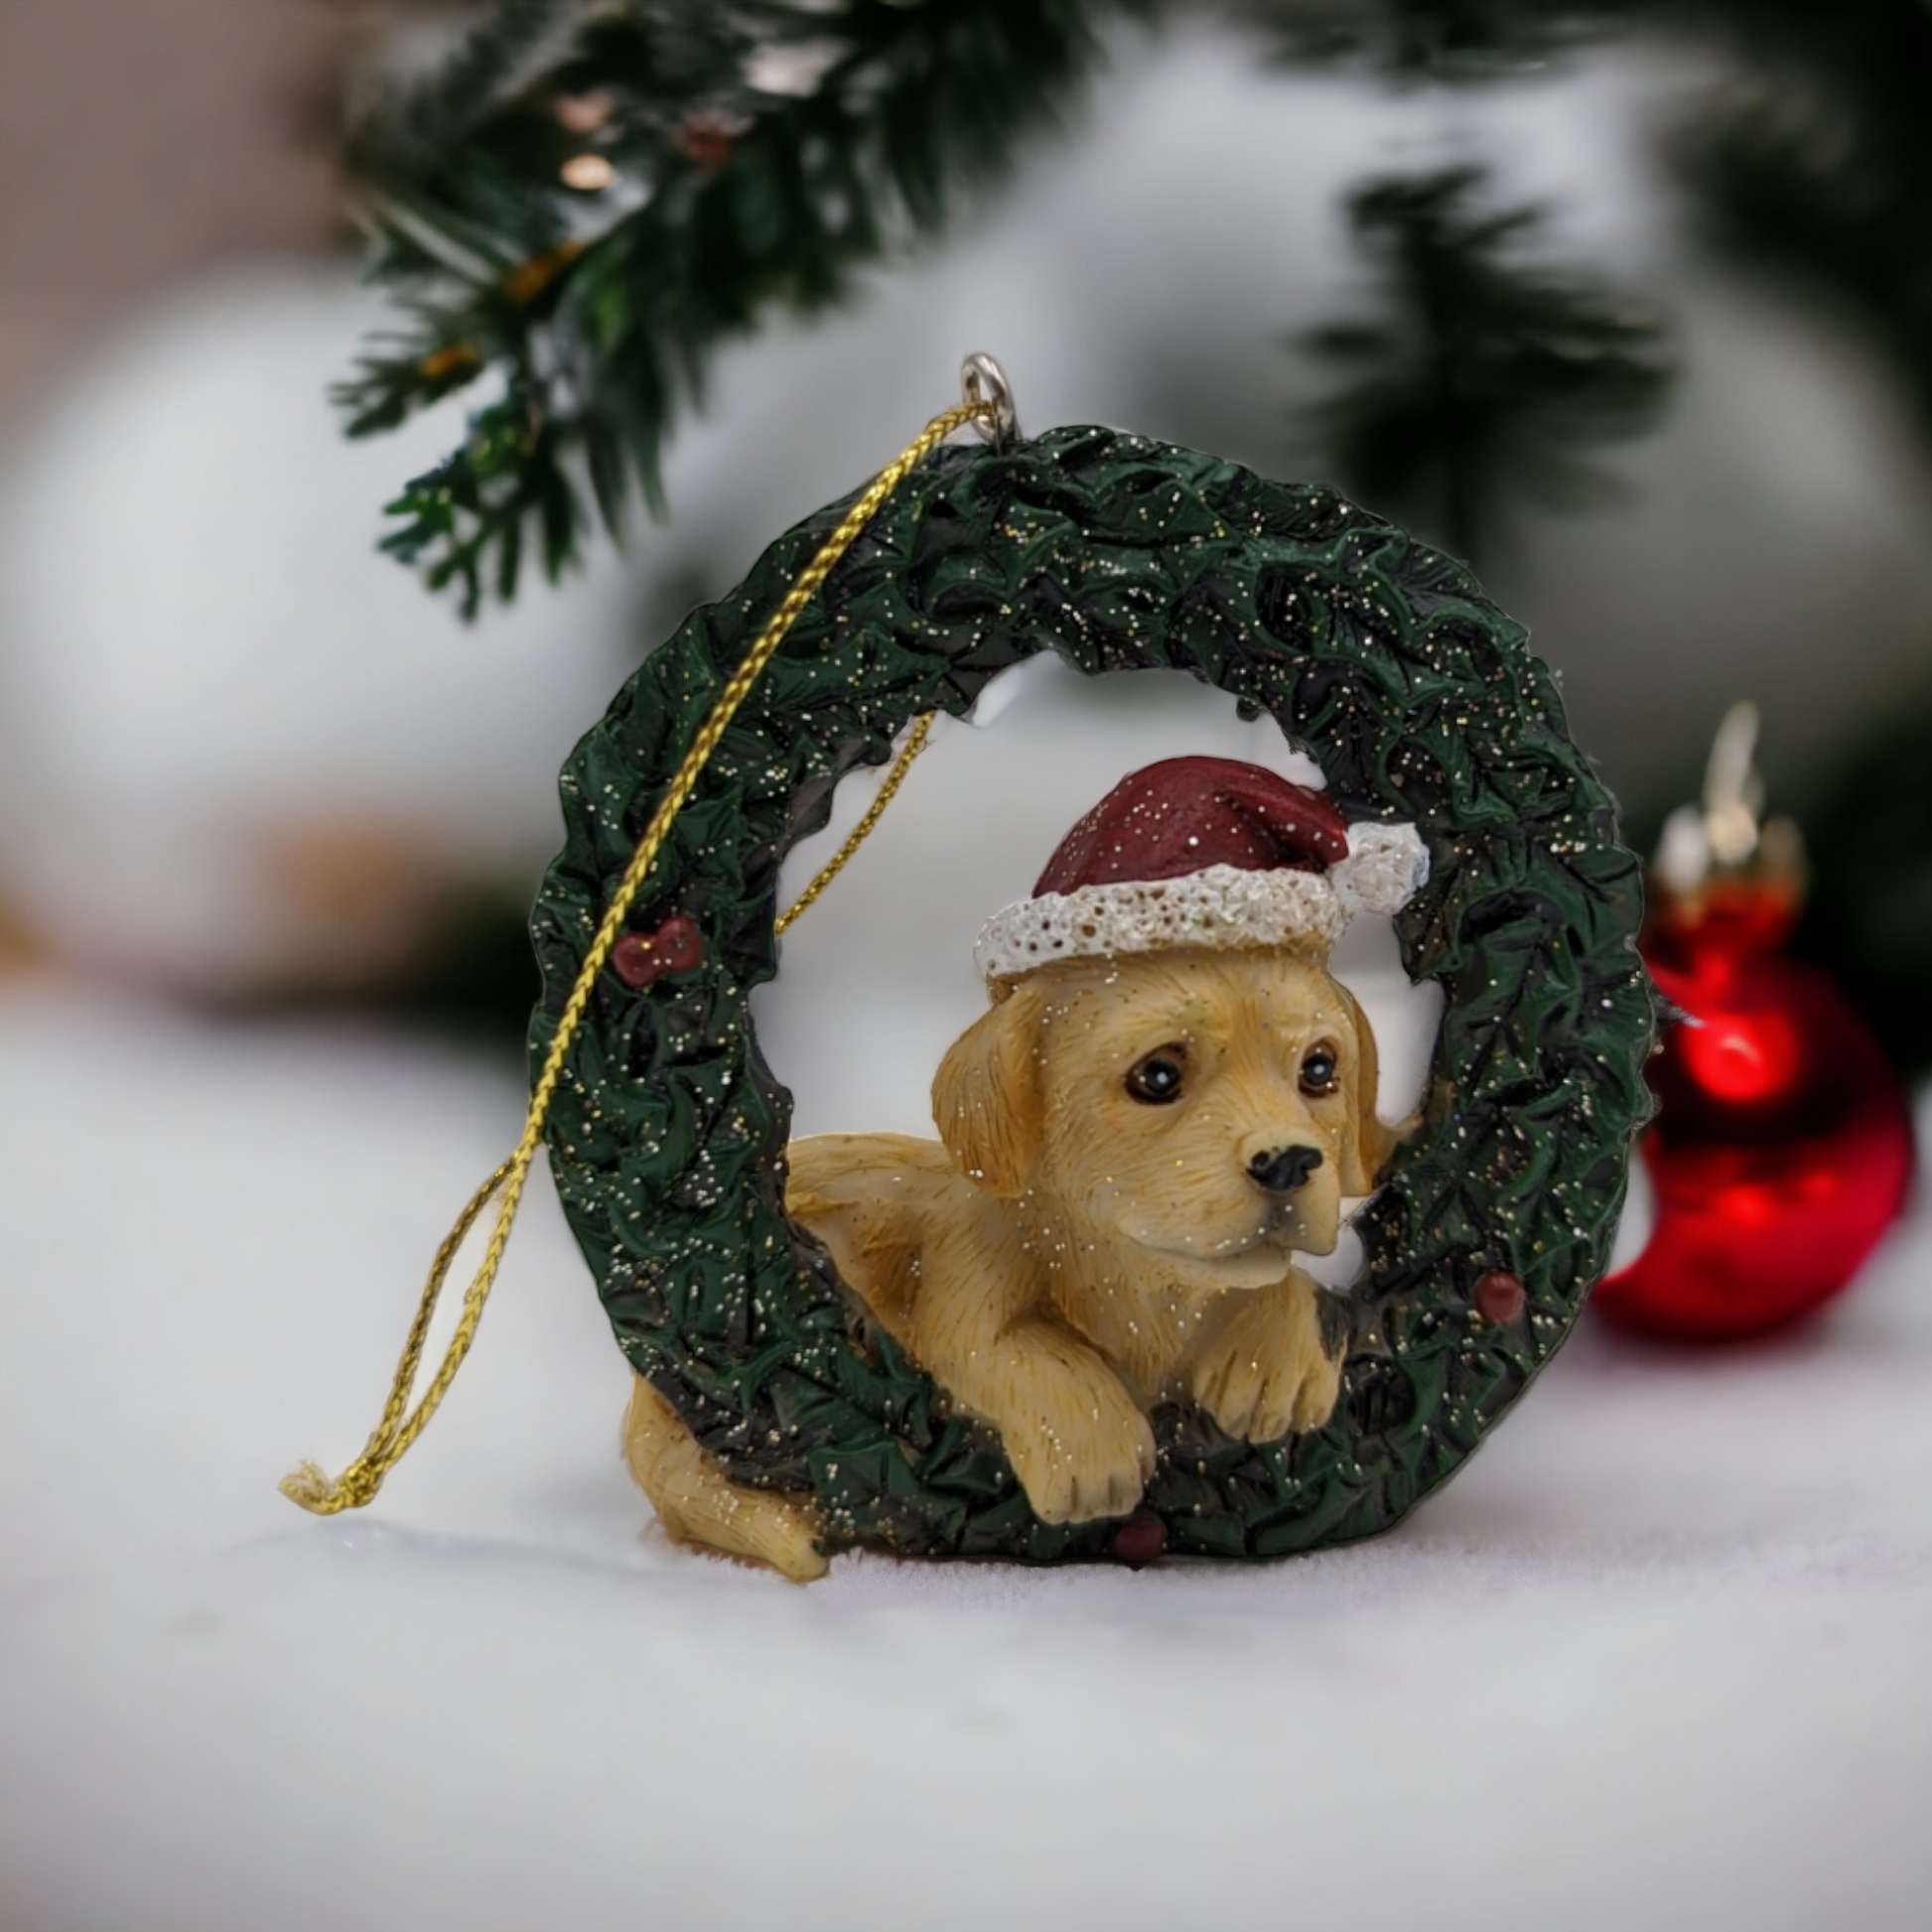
(1203, 852)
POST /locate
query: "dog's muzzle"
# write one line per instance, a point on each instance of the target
(1281, 1170)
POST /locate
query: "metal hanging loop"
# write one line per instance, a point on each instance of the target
(982, 384)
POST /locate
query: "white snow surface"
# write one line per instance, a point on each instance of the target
(1658, 1658)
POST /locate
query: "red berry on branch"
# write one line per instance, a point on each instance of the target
(707, 135)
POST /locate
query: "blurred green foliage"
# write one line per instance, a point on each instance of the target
(1816, 155)
(594, 310)
(1871, 913)
(1487, 373)
(1422, 41)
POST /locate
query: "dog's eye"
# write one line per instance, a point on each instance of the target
(1318, 1070)
(1157, 1078)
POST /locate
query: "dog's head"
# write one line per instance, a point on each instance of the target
(1211, 1105)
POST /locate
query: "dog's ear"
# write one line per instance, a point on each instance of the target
(1366, 1143)
(986, 1095)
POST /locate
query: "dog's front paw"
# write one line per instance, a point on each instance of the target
(1265, 1370)
(1091, 1457)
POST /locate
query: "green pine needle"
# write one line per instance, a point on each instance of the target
(1487, 375)
(595, 310)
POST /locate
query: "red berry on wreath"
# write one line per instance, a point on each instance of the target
(1500, 1296)
(675, 948)
(1140, 1540)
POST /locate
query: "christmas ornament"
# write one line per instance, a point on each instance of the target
(1072, 1326)
(1782, 1146)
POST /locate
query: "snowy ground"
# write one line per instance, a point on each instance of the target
(1659, 1658)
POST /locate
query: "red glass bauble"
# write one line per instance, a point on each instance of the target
(1782, 1148)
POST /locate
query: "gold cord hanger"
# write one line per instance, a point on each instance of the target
(986, 403)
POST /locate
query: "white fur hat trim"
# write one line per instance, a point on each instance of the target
(1219, 905)
(1386, 867)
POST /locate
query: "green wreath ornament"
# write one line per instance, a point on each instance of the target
(1419, 700)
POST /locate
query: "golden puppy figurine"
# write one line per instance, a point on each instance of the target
(1169, 1097)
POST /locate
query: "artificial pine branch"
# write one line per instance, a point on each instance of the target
(706, 199)
(1485, 375)
(588, 315)
(1818, 155)
(1428, 40)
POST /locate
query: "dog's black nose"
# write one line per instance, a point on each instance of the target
(1283, 1168)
